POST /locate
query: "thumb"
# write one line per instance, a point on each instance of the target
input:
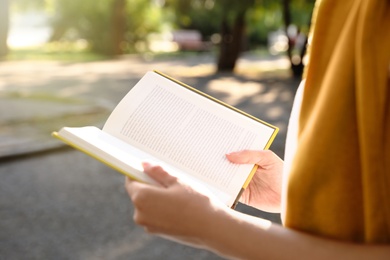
(158, 174)
(259, 157)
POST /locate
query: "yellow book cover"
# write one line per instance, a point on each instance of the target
(179, 127)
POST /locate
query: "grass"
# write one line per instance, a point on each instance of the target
(78, 51)
(68, 52)
(44, 96)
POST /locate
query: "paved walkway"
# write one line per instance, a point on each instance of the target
(64, 205)
(38, 97)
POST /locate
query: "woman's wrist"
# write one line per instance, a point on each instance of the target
(218, 233)
(233, 234)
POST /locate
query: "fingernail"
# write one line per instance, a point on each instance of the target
(231, 153)
(146, 166)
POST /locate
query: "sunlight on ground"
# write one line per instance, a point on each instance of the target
(253, 68)
(234, 90)
(195, 71)
(275, 112)
(253, 65)
(243, 83)
(75, 90)
(268, 97)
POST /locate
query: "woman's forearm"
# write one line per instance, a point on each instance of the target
(177, 211)
(240, 236)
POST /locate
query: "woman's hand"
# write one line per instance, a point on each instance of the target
(172, 209)
(264, 191)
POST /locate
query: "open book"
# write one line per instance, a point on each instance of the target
(187, 132)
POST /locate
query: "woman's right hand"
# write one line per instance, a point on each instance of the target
(264, 191)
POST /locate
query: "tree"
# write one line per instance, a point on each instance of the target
(227, 17)
(109, 26)
(4, 24)
(118, 26)
(233, 26)
(241, 21)
(101, 23)
(297, 59)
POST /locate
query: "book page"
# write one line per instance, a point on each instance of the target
(104, 147)
(187, 130)
(127, 159)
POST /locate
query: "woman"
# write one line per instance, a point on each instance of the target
(333, 188)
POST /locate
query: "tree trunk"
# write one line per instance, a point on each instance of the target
(118, 28)
(231, 42)
(59, 29)
(4, 24)
(296, 62)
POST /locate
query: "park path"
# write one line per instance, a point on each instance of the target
(38, 97)
(61, 204)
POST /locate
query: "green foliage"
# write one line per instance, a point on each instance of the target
(87, 19)
(206, 16)
(59, 51)
(264, 17)
(94, 21)
(144, 17)
(201, 15)
(28, 4)
(301, 11)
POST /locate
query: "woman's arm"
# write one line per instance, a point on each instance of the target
(245, 237)
(176, 211)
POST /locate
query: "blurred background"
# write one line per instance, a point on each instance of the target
(69, 62)
(103, 29)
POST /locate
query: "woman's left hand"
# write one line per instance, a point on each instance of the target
(172, 208)
(264, 191)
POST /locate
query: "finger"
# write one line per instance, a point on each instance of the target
(260, 157)
(144, 198)
(133, 187)
(159, 175)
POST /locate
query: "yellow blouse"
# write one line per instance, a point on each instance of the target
(338, 148)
